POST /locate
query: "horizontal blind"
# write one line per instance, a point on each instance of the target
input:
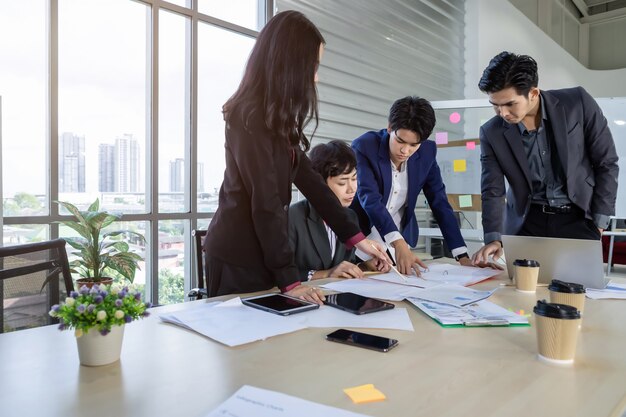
(378, 51)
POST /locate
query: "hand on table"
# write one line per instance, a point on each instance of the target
(376, 251)
(346, 269)
(406, 260)
(493, 249)
(307, 293)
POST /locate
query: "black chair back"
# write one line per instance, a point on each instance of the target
(29, 283)
(201, 290)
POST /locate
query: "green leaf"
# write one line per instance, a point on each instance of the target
(80, 228)
(76, 242)
(119, 245)
(73, 209)
(95, 206)
(125, 267)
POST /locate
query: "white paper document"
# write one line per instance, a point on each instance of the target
(453, 294)
(325, 316)
(410, 280)
(458, 274)
(373, 288)
(233, 323)
(482, 313)
(612, 290)
(250, 401)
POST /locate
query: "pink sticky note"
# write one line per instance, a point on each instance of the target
(470, 145)
(455, 118)
(441, 138)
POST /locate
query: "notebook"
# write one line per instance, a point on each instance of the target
(570, 260)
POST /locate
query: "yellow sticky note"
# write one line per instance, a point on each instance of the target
(364, 394)
(465, 201)
(460, 165)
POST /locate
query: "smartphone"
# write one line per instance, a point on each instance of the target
(356, 304)
(364, 340)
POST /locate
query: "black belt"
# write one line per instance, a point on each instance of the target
(564, 209)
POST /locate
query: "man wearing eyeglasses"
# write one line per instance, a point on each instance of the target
(393, 166)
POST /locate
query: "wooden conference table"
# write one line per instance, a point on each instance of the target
(168, 371)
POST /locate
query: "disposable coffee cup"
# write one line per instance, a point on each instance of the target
(526, 275)
(557, 332)
(568, 293)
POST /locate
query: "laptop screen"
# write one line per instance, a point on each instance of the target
(569, 260)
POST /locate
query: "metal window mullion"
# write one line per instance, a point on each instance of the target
(152, 198)
(193, 156)
(52, 139)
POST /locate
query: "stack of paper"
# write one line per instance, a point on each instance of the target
(233, 323)
(611, 291)
(482, 313)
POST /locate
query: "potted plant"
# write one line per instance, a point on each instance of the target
(99, 253)
(98, 315)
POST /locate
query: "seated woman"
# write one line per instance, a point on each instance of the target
(318, 252)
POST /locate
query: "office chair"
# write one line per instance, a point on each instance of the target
(29, 283)
(201, 291)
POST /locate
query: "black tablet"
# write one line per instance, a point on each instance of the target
(356, 304)
(281, 304)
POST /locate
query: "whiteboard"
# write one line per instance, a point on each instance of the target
(467, 182)
(614, 110)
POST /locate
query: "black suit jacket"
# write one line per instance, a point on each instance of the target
(250, 227)
(309, 240)
(584, 146)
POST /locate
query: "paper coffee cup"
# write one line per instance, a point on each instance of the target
(526, 275)
(557, 331)
(568, 293)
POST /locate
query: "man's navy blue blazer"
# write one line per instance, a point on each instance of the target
(374, 185)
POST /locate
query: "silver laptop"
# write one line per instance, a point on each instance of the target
(570, 260)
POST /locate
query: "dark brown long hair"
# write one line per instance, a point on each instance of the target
(278, 82)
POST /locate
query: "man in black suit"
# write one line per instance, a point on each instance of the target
(556, 152)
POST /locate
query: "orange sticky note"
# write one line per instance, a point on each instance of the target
(364, 394)
(460, 165)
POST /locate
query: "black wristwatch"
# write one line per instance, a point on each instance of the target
(463, 255)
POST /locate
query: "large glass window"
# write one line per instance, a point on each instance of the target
(23, 89)
(101, 93)
(240, 12)
(102, 102)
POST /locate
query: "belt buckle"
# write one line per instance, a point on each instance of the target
(543, 209)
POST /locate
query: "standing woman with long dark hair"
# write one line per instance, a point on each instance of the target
(247, 244)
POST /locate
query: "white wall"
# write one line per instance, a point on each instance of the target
(493, 26)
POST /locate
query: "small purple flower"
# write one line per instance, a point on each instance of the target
(94, 290)
(73, 294)
(98, 299)
(104, 293)
(105, 332)
(61, 326)
(55, 307)
(122, 293)
(118, 303)
(145, 314)
(148, 304)
(91, 308)
(84, 290)
(138, 296)
(128, 318)
(80, 308)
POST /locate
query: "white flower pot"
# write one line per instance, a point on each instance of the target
(95, 349)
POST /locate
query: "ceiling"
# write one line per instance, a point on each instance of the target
(594, 7)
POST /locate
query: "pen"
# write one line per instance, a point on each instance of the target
(392, 267)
